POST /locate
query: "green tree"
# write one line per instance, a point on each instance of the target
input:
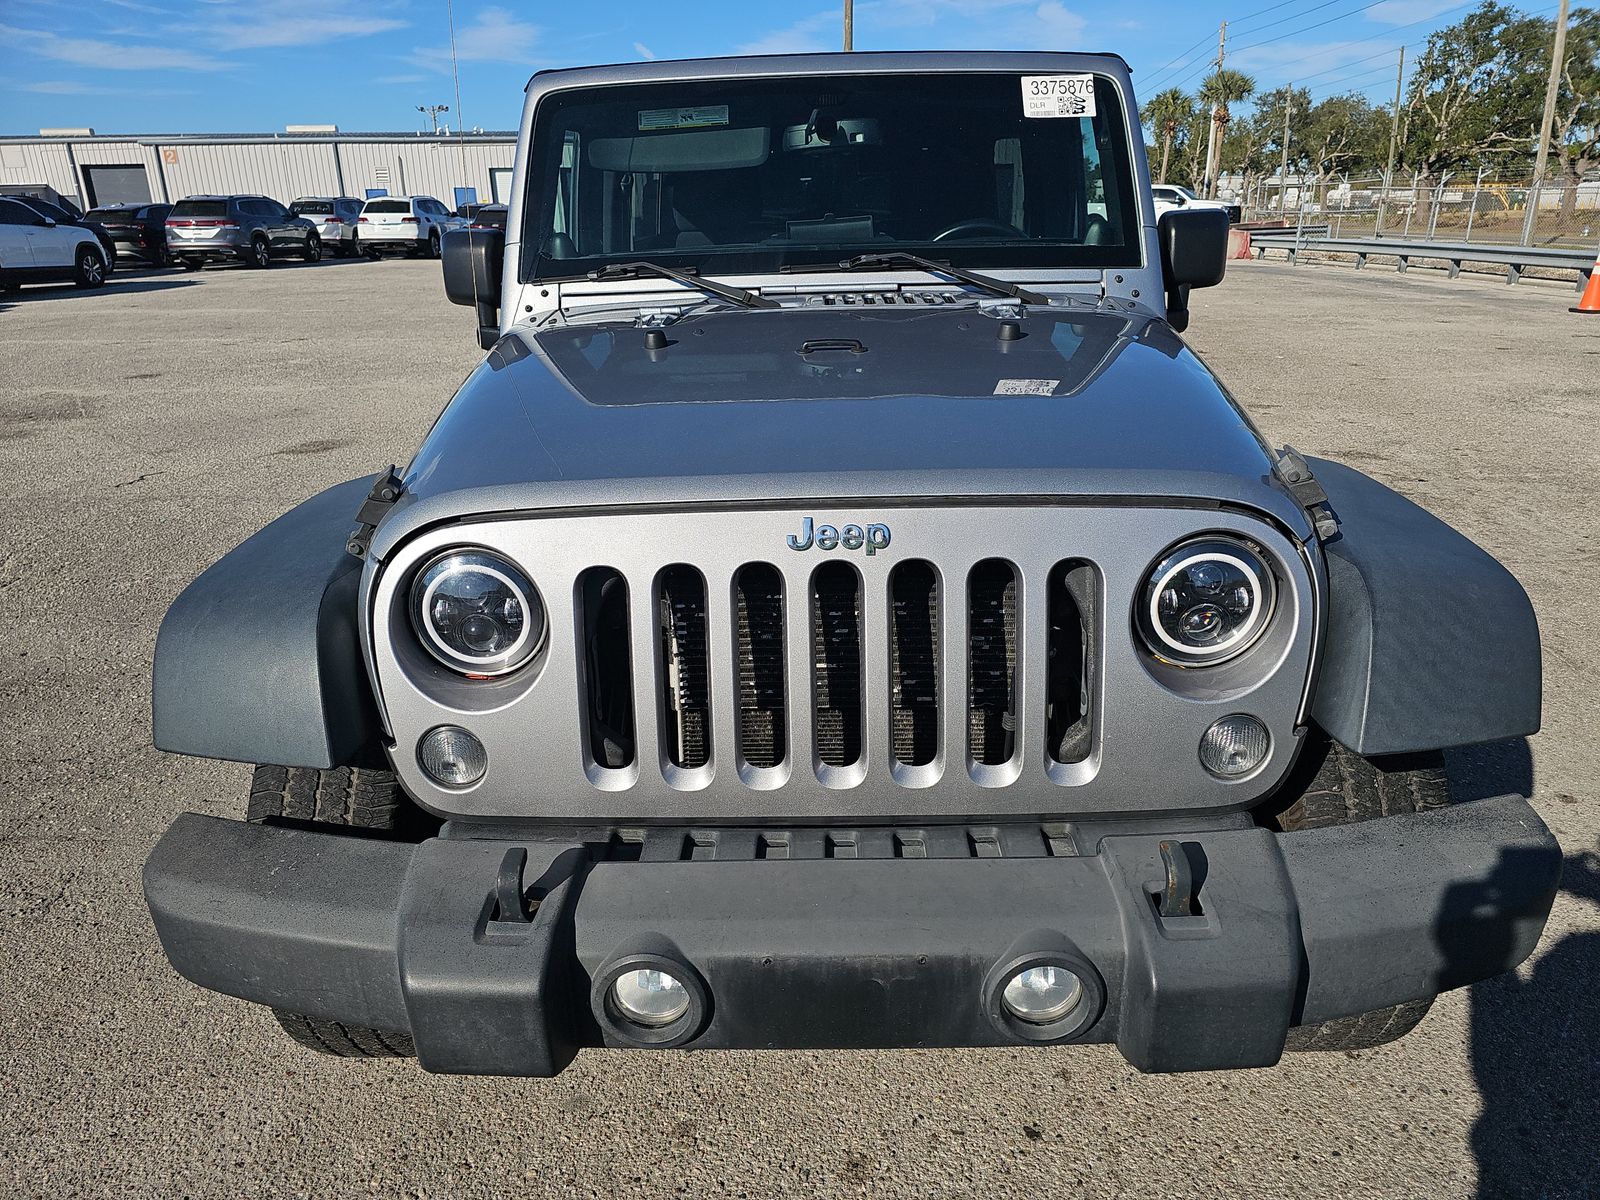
(1344, 134)
(1576, 141)
(1167, 114)
(1222, 89)
(1478, 88)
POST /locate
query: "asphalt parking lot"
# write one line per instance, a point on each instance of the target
(147, 428)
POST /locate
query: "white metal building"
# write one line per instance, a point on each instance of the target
(92, 170)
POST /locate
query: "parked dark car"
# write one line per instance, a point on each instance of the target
(488, 216)
(253, 230)
(137, 231)
(65, 216)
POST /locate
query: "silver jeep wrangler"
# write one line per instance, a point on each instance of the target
(840, 611)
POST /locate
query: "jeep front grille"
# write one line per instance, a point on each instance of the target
(716, 664)
(842, 631)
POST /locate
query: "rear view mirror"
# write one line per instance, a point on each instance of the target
(472, 261)
(1194, 253)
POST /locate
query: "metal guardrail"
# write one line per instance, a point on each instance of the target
(1516, 259)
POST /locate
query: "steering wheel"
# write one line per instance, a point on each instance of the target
(978, 226)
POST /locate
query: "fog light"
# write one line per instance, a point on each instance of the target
(1043, 994)
(452, 757)
(1234, 746)
(649, 997)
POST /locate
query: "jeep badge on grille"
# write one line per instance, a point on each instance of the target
(851, 537)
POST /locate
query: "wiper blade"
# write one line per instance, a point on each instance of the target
(632, 270)
(903, 258)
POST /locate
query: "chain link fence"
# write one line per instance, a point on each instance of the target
(1453, 208)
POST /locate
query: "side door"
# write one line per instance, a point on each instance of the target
(285, 234)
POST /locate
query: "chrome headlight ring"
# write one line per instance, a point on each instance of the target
(1206, 601)
(477, 612)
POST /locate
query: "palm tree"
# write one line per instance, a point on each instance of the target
(1166, 113)
(1222, 88)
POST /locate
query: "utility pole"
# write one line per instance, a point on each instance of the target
(1213, 150)
(849, 25)
(1283, 168)
(1542, 159)
(1394, 138)
(433, 111)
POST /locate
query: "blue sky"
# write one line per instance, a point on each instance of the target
(176, 66)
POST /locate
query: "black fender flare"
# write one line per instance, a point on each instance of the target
(259, 659)
(1430, 642)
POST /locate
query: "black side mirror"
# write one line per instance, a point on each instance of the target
(1194, 253)
(472, 261)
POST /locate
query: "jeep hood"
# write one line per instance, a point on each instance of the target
(839, 401)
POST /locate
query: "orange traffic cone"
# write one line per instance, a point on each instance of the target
(1591, 294)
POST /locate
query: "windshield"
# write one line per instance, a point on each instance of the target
(736, 176)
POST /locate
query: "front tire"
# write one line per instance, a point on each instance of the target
(353, 798)
(89, 268)
(1343, 788)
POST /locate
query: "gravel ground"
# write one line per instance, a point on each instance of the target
(147, 428)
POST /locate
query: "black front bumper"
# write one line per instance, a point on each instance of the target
(852, 952)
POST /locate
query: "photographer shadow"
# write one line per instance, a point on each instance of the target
(1534, 1047)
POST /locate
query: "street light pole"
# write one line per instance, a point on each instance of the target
(1394, 142)
(433, 111)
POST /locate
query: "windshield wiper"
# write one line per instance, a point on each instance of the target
(632, 270)
(902, 258)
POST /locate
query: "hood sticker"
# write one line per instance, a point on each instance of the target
(693, 117)
(1058, 95)
(1026, 387)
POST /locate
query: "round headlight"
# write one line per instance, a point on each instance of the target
(477, 613)
(1205, 602)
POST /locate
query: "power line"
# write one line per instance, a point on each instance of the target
(1183, 59)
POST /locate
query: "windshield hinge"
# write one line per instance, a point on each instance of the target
(1291, 468)
(385, 491)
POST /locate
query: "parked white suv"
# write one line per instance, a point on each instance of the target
(1169, 196)
(34, 249)
(415, 224)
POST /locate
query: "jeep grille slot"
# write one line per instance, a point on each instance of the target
(1070, 682)
(685, 692)
(914, 663)
(992, 662)
(758, 597)
(836, 663)
(602, 596)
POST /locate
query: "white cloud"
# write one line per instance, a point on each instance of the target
(401, 79)
(644, 52)
(822, 31)
(112, 56)
(293, 25)
(494, 36)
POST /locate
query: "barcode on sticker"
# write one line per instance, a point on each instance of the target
(1026, 387)
(1058, 95)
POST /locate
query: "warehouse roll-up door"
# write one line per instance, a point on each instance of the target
(116, 185)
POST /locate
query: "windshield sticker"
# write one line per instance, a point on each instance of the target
(1058, 95)
(683, 118)
(1027, 387)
